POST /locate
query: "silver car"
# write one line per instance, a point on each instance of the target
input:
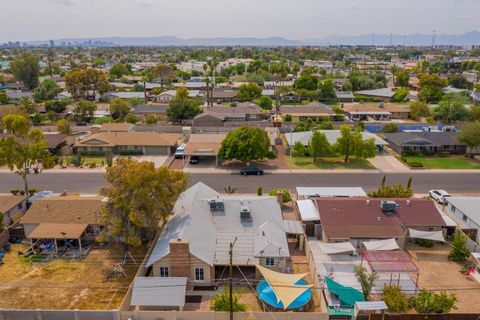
(439, 195)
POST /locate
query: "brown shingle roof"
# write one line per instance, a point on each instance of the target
(353, 218)
(7, 202)
(204, 143)
(312, 109)
(110, 139)
(64, 210)
(116, 127)
(54, 139)
(363, 108)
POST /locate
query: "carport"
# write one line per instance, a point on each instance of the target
(204, 145)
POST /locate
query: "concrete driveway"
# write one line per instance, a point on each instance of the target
(387, 162)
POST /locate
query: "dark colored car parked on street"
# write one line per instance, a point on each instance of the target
(251, 170)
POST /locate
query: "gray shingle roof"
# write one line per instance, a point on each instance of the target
(143, 108)
(159, 292)
(332, 135)
(383, 92)
(423, 138)
(470, 206)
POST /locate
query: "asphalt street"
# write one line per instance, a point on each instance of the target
(422, 181)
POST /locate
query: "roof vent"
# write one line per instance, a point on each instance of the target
(367, 202)
(388, 206)
(409, 203)
(379, 219)
(245, 214)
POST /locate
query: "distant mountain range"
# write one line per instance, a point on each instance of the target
(469, 38)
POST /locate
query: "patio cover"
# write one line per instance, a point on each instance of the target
(381, 245)
(428, 235)
(284, 285)
(347, 295)
(308, 211)
(340, 247)
(370, 306)
(292, 227)
(159, 292)
(390, 261)
(57, 231)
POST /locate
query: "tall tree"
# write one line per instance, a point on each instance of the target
(249, 91)
(84, 110)
(245, 144)
(319, 146)
(327, 90)
(403, 78)
(26, 69)
(470, 135)
(306, 82)
(140, 197)
(352, 144)
(394, 70)
(419, 109)
(86, 83)
(182, 107)
(431, 87)
(162, 73)
(47, 90)
(64, 126)
(22, 149)
(119, 108)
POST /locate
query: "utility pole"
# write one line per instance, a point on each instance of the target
(230, 274)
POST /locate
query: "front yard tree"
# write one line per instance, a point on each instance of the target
(352, 144)
(182, 107)
(139, 198)
(249, 91)
(419, 109)
(86, 83)
(84, 110)
(47, 90)
(119, 108)
(471, 136)
(319, 146)
(245, 144)
(21, 148)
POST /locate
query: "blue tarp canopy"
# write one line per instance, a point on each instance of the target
(267, 295)
(347, 295)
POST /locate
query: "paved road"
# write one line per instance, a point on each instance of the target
(422, 181)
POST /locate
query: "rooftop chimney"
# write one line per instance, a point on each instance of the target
(367, 202)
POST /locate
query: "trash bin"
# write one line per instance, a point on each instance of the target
(6, 247)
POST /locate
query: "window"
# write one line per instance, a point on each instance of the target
(453, 208)
(270, 262)
(164, 272)
(464, 218)
(199, 276)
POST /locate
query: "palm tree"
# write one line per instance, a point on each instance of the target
(230, 190)
(394, 69)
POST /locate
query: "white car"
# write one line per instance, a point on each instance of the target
(439, 195)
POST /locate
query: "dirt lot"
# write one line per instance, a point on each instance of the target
(437, 273)
(65, 284)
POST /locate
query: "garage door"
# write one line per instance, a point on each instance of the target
(152, 151)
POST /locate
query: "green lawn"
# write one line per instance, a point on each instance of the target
(88, 160)
(327, 163)
(450, 162)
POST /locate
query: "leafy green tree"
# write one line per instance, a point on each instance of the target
(150, 119)
(431, 86)
(86, 83)
(182, 107)
(394, 191)
(245, 144)
(103, 120)
(119, 108)
(140, 196)
(470, 135)
(475, 113)
(459, 250)
(306, 82)
(138, 87)
(162, 73)
(419, 109)
(351, 143)
(287, 197)
(306, 125)
(326, 124)
(327, 90)
(287, 118)
(451, 109)
(319, 146)
(84, 110)
(27, 105)
(3, 97)
(298, 149)
(119, 70)
(136, 102)
(37, 119)
(390, 128)
(403, 78)
(47, 90)
(249, 91)
(23, 148)
(26, 69)
(221, 302)
(367, 281)
(394, 70)
(131, 118)
(400, 94)
(459, 82)
(57, 106)
(395, 299)
(265, 102)
(430, 302)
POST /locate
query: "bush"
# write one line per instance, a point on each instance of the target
(390, 128)
(259, 191)
(287, 197)
(32, 191)
(459, 251)
(414, 164)
(76, 160)
(288, 118)
(298, 149)
(15, 191)
(271, 155)
(92, 165)
(221, 302)
(395, 191)
(395, 299)
(431, 302)
(424, 243)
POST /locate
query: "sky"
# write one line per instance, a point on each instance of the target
(26, 20)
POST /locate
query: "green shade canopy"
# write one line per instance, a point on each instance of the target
(347, 295)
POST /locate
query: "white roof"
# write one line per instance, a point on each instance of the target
(337, 247)
(449, 222)
(370, 305)
(331, 191)
(468, 205)
(159, 292)
(383, 92)
(308, 211)
(210, 233)
(381, 245)
(428, 235)
(332, 135)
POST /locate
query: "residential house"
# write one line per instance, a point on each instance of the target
(383, 93)
(332, 136)
(128, 143)
(12, 207)
(314, 110)
(117, 127)
(465, 211)
(56, 141)
(425, 142)
(357, 220)
(62, 220)
(204, 145)
(169, 95)
(159, 111)
(221, 95)
(108, 96)
(195, 242)
(344, 96)
(218, 115)
(17, 95)
(366, 112)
